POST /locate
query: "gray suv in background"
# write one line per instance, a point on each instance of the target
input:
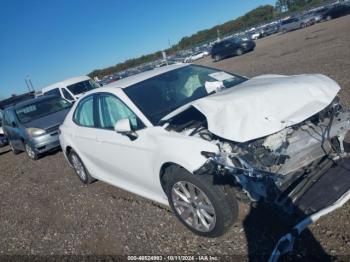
(32, 125)
(292, 23)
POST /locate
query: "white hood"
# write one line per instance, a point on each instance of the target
(265, 105)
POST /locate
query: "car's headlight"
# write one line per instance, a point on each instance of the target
(35, 132)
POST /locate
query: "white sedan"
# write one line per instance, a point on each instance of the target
(194, 137)
(196, 56)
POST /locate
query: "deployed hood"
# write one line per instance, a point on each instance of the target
(265, 105)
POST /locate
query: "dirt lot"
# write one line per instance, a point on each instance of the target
(46, 210)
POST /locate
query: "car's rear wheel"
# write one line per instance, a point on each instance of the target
(79, 168)
(31, 152)
(328, 17)
(217, 58)
(239, 51)
(14, 150)
(303, 25)
(203, 206)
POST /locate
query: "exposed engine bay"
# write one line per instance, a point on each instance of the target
(272, 167)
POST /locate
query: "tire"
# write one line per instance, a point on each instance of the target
(221, 206)
(284, 31)
(217, 58)
(239, 52)
(303, 25)
(14, 151)
(79, 168)
(328, 18)
(31, 152)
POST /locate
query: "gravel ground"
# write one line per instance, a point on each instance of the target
(45, 210)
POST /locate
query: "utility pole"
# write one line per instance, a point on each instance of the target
(29, 84)
(169, 42)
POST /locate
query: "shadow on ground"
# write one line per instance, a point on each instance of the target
(264, 227)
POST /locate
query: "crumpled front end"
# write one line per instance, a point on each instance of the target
(280, 167)
(272, 167)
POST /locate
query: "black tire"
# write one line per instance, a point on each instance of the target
(303, 25)
(239, 52)
(223, 201)
(87, 178)
(31, 152)
(217, 58)
(14, 151)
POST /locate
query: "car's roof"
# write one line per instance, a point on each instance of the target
(31, 101)
(66, 82)
(131, 80)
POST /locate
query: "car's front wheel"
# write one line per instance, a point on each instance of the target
(13, 149)
(79, 168)
(31, 152)
(239, 52)
(199, 203)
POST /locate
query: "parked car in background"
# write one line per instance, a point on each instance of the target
(292, 23)
(196, 56)
(71, 89)
(231, 47)
(271, 29)
(190, 137)
(32, 125)
(3, 139)
(335, 12)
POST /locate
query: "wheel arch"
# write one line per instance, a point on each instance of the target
(162, 172)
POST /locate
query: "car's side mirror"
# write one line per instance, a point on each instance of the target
(123, 127)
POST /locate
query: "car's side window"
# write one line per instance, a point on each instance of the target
(111, 110)
(84, 114)
(67, 95)
(9, 119)
(54, 92)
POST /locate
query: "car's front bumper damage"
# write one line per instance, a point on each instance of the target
(313, 183)
(331, 192)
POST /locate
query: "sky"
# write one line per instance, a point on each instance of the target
(57, 39)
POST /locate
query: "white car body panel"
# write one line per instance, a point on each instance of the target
(1, 131)
(134, 166)
(265, 105)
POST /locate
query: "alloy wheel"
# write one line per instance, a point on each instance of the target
(30, 152)
(193, 206)
(78, 167)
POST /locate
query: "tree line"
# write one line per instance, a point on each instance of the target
(259, 15)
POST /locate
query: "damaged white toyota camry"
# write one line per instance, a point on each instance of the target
(199, 139)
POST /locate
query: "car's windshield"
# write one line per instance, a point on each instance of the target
(82, 87)
(159, 95)
(41, 108)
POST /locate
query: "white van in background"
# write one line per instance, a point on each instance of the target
(72, 88)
